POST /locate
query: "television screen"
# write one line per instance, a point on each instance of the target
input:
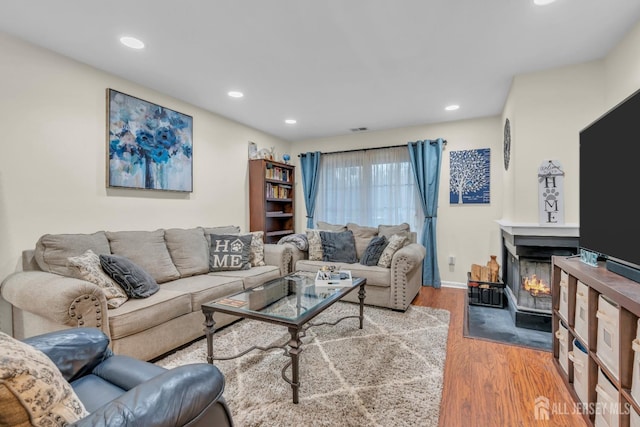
(610, 184)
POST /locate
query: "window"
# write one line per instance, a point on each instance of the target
(368, 187)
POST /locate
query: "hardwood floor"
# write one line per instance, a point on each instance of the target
(492, 384)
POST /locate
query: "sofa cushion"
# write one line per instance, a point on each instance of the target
(256, 276)
(189, 250)
(330, 227)
(230, 252)
(135, 281)
(315, 245)
(362, 235)
(338, 246)
(373, 251)
(147, 249)
(138, 315)
(32, 386)
(389, 230)
(396, 242)
(376, 276)
(88, 268)
(205, 288)
(53, 250)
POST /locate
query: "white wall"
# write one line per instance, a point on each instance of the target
(622, 70)
(52, 167)
(468, 232)
(547, 111)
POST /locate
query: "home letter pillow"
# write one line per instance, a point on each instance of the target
(32, 389)
(88, 268)
(230, 252)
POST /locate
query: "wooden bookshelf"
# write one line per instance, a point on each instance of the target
(621, 293)
(271, 198)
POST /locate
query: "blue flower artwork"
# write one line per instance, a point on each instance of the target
(150, 147)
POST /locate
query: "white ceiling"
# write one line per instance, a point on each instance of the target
(331, 64)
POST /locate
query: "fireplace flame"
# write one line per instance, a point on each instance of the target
(535, 286)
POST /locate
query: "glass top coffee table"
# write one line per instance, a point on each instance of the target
(291, 301)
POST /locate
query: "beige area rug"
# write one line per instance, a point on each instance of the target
(388, 374)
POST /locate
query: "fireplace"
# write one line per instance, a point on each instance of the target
(526, 270)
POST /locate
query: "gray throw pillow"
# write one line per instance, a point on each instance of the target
(338, 246)
(374, 250)
(230, 252)
(135, 281)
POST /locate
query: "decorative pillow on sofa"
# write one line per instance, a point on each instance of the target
(256, 256)
(395, 243)
(230, 252)
(135, 281)
(315, 245)
(32, 389)
(88, 268)
(338, 246)
(374, 250)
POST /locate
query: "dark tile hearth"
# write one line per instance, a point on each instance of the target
(496, 324)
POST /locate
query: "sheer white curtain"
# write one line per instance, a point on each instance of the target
(368, 187)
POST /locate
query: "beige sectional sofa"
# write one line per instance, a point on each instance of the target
(45, 295)
(392, 287)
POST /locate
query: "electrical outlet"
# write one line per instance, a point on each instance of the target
(452, 260)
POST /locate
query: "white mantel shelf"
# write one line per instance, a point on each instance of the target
(533, 229)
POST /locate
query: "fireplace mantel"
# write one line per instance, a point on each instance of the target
(533, 229)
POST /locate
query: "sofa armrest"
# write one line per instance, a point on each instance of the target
(63, 300)
(406, 275)
(74, 351)
(173, 398)
(296, 255)
(279, 256)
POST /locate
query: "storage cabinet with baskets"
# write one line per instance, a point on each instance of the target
(271, 198)
(596, 345)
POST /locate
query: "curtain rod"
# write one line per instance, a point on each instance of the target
(444, 142)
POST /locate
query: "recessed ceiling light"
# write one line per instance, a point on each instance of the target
(235, 94)
(291, 121)
(451, 107)
(131, 42)
(543, 2)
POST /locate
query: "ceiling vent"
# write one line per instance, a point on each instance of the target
(358, 129)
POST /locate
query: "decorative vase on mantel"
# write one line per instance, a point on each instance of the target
(494, 268)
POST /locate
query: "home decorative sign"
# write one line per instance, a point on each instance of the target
(551, 192)
(149, 146)
(470, 177)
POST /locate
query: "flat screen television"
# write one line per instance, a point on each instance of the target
(610, 187)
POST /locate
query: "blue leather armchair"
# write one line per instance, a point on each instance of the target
(123, 391)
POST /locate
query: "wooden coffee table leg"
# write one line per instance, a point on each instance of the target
(209, 328)
(361, 295)
(295, 348)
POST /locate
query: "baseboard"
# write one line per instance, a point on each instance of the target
(456, 285)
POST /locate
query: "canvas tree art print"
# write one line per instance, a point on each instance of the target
(149, 146)
(470, 177)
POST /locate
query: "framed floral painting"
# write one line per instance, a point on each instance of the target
(149, 146)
